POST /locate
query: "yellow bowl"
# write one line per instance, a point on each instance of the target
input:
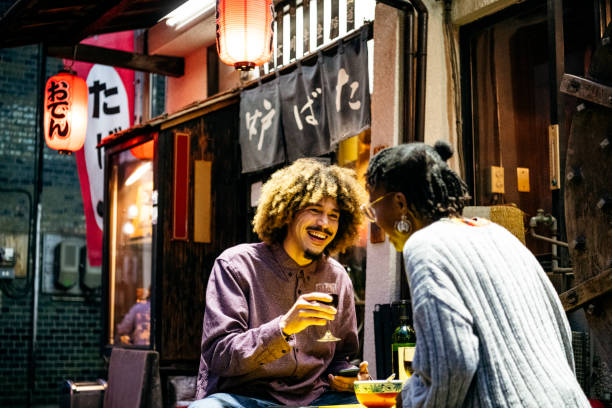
(377, 393)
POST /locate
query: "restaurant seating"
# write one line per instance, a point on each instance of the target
(84, 394)
(180, 390)
(133, 379)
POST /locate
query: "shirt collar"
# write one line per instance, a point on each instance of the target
(288, 265)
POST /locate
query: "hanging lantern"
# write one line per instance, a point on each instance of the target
(244, 32)
(65, 115)
(144, 151)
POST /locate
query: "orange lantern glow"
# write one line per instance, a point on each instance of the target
(65, 108)
(244, 32)
(144, 151)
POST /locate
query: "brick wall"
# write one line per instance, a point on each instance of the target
(14, 339)
(68, 326)
(68, 347)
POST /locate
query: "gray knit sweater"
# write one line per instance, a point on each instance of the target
(491, 331)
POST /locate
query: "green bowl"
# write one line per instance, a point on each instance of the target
(377, 393)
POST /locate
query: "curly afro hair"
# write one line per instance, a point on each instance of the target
(305, 182)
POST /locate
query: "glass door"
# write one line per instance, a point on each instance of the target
(130, 235)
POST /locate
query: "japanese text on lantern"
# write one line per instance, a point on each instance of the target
(58, 106)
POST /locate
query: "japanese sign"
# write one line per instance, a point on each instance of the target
(108, 114)
(303, 110)
(110, 109)
(322, 105)
(65, 112)
(58, 104)
(345, 76)
(261, 141)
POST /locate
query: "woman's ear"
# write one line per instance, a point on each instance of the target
(401, 205)
(400, 202)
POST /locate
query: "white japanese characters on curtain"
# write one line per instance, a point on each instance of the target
(303, 112)
(345, 77)
(308, 111)
(261, 136)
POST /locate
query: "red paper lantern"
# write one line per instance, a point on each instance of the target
(65, 109)
(244, 32)
(144, 151)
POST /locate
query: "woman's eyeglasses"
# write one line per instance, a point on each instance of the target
(368, 209)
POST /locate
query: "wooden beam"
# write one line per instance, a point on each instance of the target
(586, 89)
(16, 9)
(587, 291)
(100, 22)
(157, 64)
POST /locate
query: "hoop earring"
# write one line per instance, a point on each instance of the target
(403, 226)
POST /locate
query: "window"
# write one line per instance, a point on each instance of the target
(131, 198)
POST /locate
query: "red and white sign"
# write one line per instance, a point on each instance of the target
(110, 109)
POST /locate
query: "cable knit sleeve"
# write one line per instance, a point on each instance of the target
(446, 356)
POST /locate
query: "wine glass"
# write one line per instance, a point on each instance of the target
(330, 289)
(408, 357)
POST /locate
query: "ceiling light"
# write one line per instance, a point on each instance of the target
(138, 173)
(188, 12)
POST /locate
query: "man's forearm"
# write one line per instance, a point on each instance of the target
(237, 354)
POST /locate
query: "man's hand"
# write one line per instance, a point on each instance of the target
(308, 311)
(345, 384)
(339, 383)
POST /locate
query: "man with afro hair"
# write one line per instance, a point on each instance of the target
(263, 316)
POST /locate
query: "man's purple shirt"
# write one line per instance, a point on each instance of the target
(243, 350)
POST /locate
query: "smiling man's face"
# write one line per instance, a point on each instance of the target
(312, 229)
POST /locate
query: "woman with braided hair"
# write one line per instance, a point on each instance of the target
(490, 328)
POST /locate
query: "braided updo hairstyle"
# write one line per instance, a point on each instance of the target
(420, 172)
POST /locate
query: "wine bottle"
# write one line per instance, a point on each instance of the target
(403, 342)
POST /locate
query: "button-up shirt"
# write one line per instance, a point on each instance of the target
(243, 349)
(137, 323)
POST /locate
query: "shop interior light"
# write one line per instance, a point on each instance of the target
(244, 32)
(138, 173)
(188, 12)
(132, 211)
(128, 228)
(65, 112)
